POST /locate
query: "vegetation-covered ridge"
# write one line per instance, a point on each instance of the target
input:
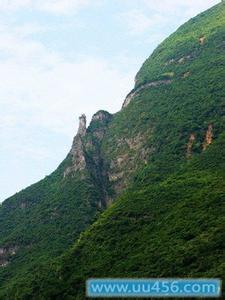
(183, 47)
(161, 157)
(174, 228)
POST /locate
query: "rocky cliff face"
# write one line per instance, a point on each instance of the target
(77, 151)
(86, 154)
(91, 154)
(6, 254)
(135, 92)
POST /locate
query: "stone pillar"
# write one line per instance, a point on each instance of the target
(82, 125)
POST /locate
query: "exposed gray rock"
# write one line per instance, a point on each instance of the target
(208, 137)
(101, 116)
(135, 92)
(77, 150)
(123, 166)
(6, 253)
(82, 125)
(23, 205)
(86, 154)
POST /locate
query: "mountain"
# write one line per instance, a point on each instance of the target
(141, 192)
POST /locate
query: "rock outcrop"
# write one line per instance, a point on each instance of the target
(6, 253)
(110, 173)
(208, 137)
(202, 40)
(97, 164)
(180, 60)
(186, 74)
(136, 91)
(191, 141)
(77, 150)
(86, 153)
(132, 152)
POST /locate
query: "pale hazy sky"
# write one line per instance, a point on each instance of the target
(62, 58)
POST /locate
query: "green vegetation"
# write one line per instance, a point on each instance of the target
(44, 220)
(168, 220)
(181, 49)
(171, 229)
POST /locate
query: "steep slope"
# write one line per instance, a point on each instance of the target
(166, 148)
(42, 221)
(175, 228)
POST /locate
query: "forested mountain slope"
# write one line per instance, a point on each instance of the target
(161, 158)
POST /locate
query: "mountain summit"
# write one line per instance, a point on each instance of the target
(141, 192)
